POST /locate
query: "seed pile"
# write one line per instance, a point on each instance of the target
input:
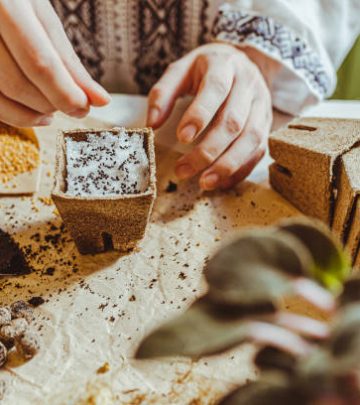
(18, 154)
(16, 333)
(107, 164)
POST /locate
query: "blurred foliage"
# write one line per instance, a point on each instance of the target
(349, 76)
(301, 361)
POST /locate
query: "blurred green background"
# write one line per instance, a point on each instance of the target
(349, 76)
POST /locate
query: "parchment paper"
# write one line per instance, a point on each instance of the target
(27, 182)
(97, 308)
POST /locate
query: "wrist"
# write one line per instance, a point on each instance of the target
(267, 66)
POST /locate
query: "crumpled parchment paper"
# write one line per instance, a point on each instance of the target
(98, 308)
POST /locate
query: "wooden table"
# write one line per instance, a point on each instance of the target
(98, 308)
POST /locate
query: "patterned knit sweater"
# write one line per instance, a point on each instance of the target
(127, 44)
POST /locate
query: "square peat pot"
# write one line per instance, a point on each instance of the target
(103, 223)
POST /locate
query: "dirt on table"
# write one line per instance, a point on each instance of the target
(95, 309)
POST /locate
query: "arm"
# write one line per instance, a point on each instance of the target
(280, 53)
(39, 70)
(297, 45)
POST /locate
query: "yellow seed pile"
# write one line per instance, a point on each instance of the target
(18, 154)
(46, 200)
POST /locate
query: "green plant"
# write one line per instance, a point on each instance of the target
(302, 360)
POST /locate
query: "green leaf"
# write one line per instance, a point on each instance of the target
(271, 358)
(318, 363)
(255, 267)
(262, 393)
(331, 265)
(341, 352)
(351, 292)
(345, 337)
(199, 331)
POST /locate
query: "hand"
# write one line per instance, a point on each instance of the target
(231, 109)
(39, 70)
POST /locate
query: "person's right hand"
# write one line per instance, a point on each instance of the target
(40, 72)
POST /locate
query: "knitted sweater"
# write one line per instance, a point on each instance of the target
(127, 44)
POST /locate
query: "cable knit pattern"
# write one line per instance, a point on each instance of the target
(83, 25)
(127, 45)
(275, 40)
(163, 35)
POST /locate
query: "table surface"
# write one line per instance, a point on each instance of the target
(98, 308)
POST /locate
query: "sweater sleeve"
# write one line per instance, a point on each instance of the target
(298, 45)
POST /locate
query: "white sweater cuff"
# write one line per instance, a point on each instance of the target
(301, 78)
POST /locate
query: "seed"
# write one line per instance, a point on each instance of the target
(5, 316)
(3, 354)
(18, 154)
(15, 329)
(20, 309)
(46, 200)
(27, 345)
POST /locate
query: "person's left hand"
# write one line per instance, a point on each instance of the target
(231, 109)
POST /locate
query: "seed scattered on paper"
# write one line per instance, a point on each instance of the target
(36, 301)
(171, 187)
(46, 200)
(18, 155)
(107, 164)
(103, 369)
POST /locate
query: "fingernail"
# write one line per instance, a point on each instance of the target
(79, 113)
(153, 116)
(103, 92)
(44, 121)
(187, 134)
(210, 181)
(184, 172)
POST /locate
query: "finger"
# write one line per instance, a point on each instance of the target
(245, 170)
(34, 53)
(303, 325)
(174, 83)
(17, 115)
(244, 153)
(17, 87)
(226, 127)
(97, 95)
(213, 90)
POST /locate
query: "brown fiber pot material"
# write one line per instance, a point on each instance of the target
(100, 223)
(317, 168)
(346, 198)
(353, 241)
(348, 201)
(306, 154)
